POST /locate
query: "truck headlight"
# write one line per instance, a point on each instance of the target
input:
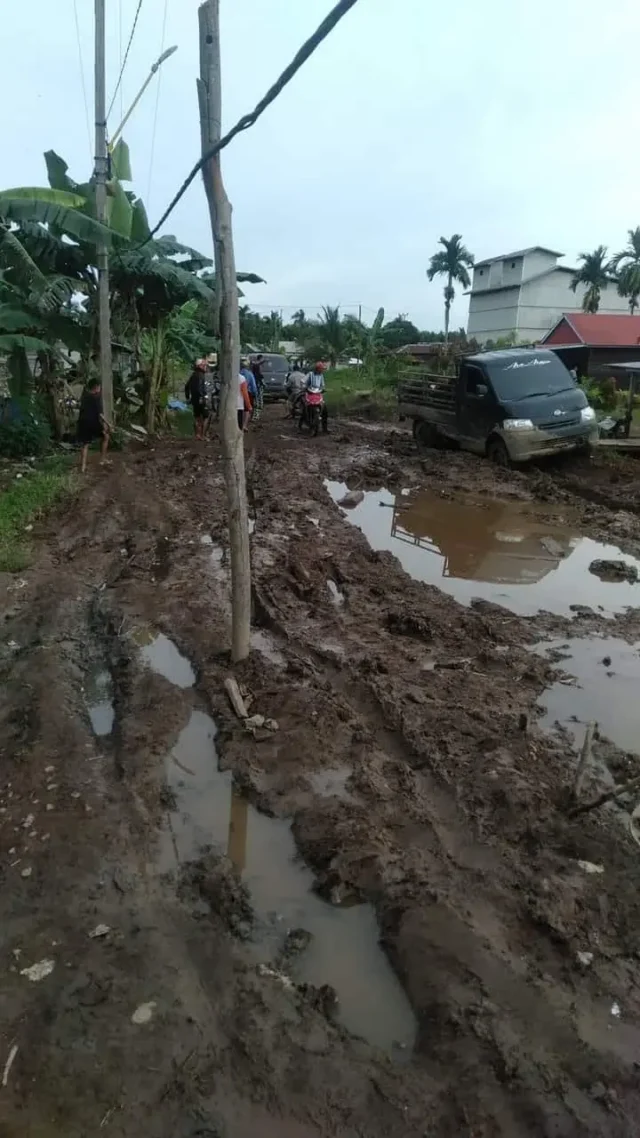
(518, 425)
(587, 415)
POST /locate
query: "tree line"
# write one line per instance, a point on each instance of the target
(162, 293)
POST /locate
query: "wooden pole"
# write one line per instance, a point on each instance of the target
(210, 102)
(101, 176)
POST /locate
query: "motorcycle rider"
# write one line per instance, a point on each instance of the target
(296, 384)
(314, 384)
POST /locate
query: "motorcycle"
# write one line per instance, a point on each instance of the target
(313, 412)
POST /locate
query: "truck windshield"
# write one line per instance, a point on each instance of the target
(537, 374)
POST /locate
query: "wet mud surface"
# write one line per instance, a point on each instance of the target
(373, 913)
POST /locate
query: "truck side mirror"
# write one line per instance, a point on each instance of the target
(482, 390)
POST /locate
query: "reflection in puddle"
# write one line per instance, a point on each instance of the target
(604, 692)
(163, 657)
(505, 552)
(344, 950)
(332, 783)
(98, 696)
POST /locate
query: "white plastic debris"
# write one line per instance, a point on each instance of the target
(615, 1010)
(100, 930)
(26, 872)
(49, 769)
(38, 971)
(591, 867)
(144, 1013)
(13, 1051)
(585, 958)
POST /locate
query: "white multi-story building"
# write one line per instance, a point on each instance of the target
(525, 293)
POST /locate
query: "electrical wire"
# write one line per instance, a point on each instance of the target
(120, 55)
(82, 79)
(155, 113)
(307, 49)
(126, 56)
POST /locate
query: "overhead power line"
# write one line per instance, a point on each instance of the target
(248, 120)
(82, 78)
(126, 56)
(155, 113)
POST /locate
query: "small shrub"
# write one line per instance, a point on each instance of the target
(23, 437)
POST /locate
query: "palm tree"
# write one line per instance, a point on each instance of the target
(626, 268)
(452, 262)
(332, 333)
(594, 275)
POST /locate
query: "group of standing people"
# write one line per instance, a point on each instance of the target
(250, 400)
(250, 397)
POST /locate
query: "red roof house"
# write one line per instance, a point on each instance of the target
(589, 341)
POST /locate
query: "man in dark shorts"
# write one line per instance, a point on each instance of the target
(195, 394)
(91, 422)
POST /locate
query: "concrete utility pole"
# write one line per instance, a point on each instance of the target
(101, 176)
(210, 102)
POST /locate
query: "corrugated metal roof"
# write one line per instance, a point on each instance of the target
(596, 330)
(519, 253)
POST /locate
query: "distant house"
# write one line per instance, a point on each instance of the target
(590, 341)
(421, 351)
(524, 294)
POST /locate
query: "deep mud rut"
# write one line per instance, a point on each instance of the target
(412, 794)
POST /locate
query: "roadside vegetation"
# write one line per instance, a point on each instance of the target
(29, 494)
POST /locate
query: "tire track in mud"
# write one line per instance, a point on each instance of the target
(481, 927)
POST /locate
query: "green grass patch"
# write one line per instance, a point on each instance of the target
(369, 390)
(27, 499)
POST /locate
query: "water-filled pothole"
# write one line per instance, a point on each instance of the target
(162, 656)
(344, 950)
(607, 681)
(522, 556)
(98, 695)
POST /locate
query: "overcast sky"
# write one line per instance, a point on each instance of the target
(513, 125)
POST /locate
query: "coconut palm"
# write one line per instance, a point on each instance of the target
(452, 262)
(332, 333)
(626, 268)
(594, 275)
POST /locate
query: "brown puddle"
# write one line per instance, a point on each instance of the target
(605, 692)
(344, 950)
(515, 554)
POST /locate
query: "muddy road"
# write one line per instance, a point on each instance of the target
(373, 913)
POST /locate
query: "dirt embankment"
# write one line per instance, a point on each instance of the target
(408, 769)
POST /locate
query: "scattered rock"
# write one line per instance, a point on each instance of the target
(38, 971)
(591, 867)
(144, 1013)
(614, 571)
(351, 499)
(585, 958)
(99, 931)
(606, 660)
(26, 872)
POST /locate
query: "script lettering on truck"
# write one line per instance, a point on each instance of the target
(527, 363)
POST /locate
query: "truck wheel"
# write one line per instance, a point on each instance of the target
(425, 435)
(498, 453)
